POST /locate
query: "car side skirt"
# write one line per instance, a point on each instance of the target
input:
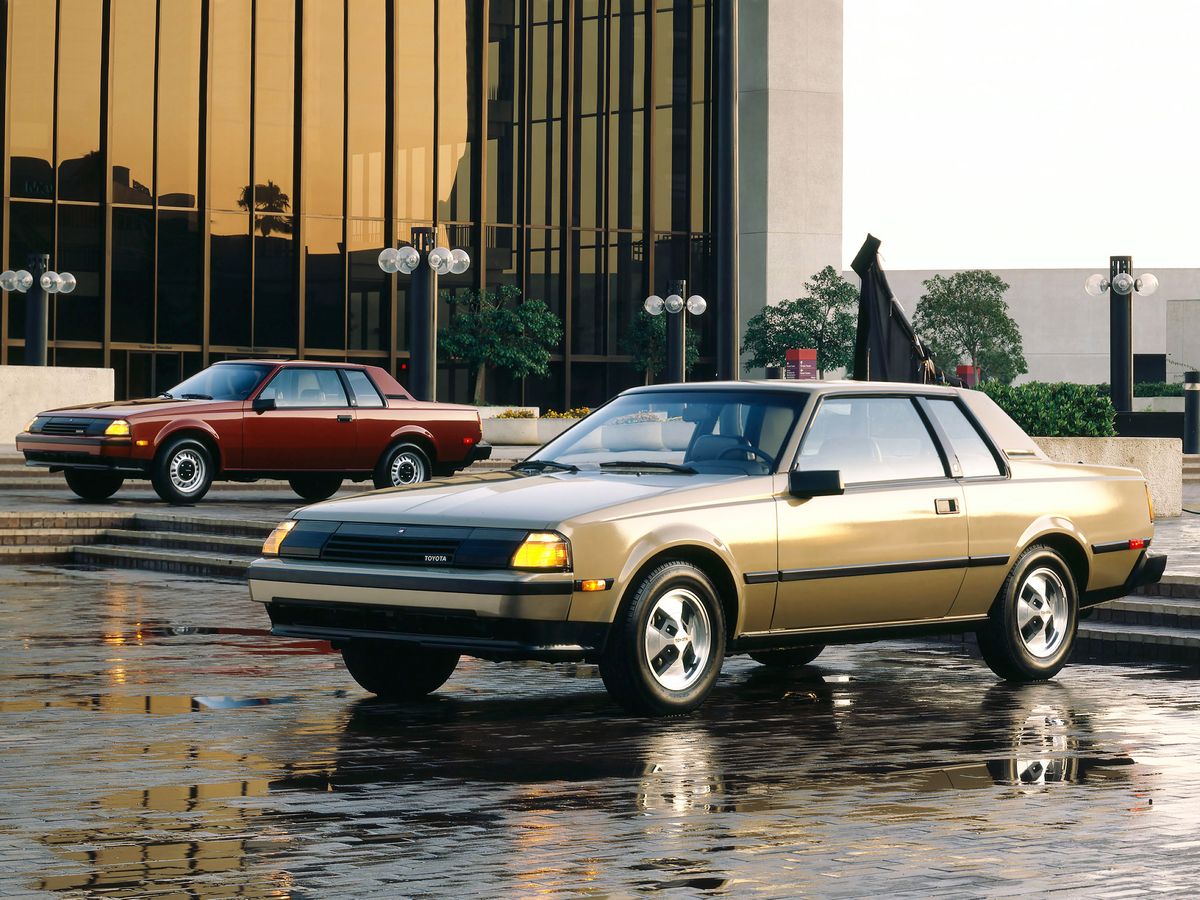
(852, 634)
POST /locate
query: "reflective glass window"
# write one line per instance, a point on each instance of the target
(366, 395)
(79, 315)
(416, 95)
(30, 230)
(229, 112)
(276, 314)
(366, 117)
(274, 94)
(504, 86)
(132, 299)
(590, 311)
(368, 311)
(229, 303)
(323, 108)
(132, 101)
(79, 33)
(324, 285)
(458, 106)
(180, 300)
(178, 102)
(31, 98)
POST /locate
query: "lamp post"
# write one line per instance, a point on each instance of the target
(35, 283)
(1121, 285)
(677, 309)
(422, 301)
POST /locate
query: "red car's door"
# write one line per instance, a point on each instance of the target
(311, 427)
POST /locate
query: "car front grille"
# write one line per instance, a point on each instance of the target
(65, 426)
(390, 550)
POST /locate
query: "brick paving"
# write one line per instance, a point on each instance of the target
(154, 742)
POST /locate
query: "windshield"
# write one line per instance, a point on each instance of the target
(226, 381)
(733, 432)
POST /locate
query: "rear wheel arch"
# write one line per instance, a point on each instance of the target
(419, 439)
(1069, 548)
(708, 562)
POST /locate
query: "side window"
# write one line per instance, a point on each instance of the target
(870, 439)
(296, 387)
(365, 395)
(972, 452)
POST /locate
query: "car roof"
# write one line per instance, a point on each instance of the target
(810, 387)
(316, 363)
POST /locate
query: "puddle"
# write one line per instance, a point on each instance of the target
(155, 705)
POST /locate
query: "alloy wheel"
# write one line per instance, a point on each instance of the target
(678, 639)
(187, 471)
(1042, 612)
(407, 468)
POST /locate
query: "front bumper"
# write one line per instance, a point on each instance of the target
(491, 615)
(110, 454)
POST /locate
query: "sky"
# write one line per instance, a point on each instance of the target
(1022, 133)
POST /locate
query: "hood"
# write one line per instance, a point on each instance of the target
(505, 499)
(124, 409)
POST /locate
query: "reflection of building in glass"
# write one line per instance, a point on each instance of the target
(220, 175)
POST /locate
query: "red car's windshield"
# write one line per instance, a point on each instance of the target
(226, 381)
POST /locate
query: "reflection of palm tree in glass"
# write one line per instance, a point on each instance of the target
(267, 198)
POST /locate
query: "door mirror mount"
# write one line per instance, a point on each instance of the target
(262, 404)
(815, 483)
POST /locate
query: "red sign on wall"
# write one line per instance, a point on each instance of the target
(969, 375)
(801, 364)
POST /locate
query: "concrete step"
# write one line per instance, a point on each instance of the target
(35, 553)
(175, 540)
(1149, 611)
(183, 523)
(1110, 641)
(49, 537)
(1175, 586)
(179, 562)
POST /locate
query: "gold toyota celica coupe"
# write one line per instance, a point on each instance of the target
(679, 524)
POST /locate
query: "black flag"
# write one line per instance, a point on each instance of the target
(886, 347)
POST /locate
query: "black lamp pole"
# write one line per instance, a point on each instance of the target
(677, 337)
(37, 333)
(725, 210)
(422, 320)
(1120, 337)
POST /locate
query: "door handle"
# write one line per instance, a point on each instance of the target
(946, 507)
(345, 418)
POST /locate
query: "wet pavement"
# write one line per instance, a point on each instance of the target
(154, 741)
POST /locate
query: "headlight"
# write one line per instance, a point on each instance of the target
(543, 550)
(117, 428)
(32, 422)
(275, 538)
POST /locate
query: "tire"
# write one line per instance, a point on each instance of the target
(315, 487)
(182, 471)
(93, 485)
(1031, 628)
(401, 466)
(667, 645)
(794, 656)
(396, 671)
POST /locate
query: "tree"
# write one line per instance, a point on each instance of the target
(646, 342)
(268, 198)
(499, 329)
(824, 319)
(963, 317)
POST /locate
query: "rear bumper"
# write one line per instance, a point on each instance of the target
(1148, 569)
(492, 615)
(111, 454)
(480, 451)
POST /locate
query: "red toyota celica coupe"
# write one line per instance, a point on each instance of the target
(313, 424)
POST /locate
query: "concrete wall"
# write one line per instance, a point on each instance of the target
(1160, 460)
(790, 146)
(26, 391)
(1065, 331)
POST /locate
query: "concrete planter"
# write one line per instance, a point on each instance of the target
(490, 412)
(504, 432)
(26, 391)
(549, 429)
(1160, 460)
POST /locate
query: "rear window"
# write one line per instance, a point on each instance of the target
(973, 454)
(365, 395)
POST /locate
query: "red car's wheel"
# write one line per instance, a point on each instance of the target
(93, 485)
(401, 466)
(182, 471)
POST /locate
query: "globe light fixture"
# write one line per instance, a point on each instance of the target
(41, 281)
(408, 258)
(654, 305)
(389, 260)
(673, 303)
(1122, 283)
(677, 310)
(50, 282)
(1146, 284)
(8, 280)
(439, 260)
(696, 305)
(66, 282)
(1095, 285)
(460, 261)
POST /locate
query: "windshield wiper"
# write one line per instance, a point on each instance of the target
(647, 464)
(195, 396)
(166, 395)
(539, 465)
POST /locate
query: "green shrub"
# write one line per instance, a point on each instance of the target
(1151, 389)
(1061, 409)
(516, 414)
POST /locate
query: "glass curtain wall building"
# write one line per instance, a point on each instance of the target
(220, 175)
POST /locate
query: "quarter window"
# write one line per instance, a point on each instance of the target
(306, 388)
(365, 395)
(871, 439)
(973, 454)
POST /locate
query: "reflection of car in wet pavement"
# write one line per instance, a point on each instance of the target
(313, 424)
(680, 524)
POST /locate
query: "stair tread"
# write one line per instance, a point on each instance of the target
(155, 536)
(1179, 605)
(170, 555)
(1162, 634)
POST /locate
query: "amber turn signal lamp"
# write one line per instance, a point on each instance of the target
(593, 584)
(117, 428)
(542, 550)
(275, 538)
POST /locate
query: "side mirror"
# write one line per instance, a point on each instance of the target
(262, 404)
(815, 483)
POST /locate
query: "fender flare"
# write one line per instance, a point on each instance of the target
(410, 431)
(171, 429)
(1057, 527)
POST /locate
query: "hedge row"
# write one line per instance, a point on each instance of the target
(1061, 409)
(1152, 389)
